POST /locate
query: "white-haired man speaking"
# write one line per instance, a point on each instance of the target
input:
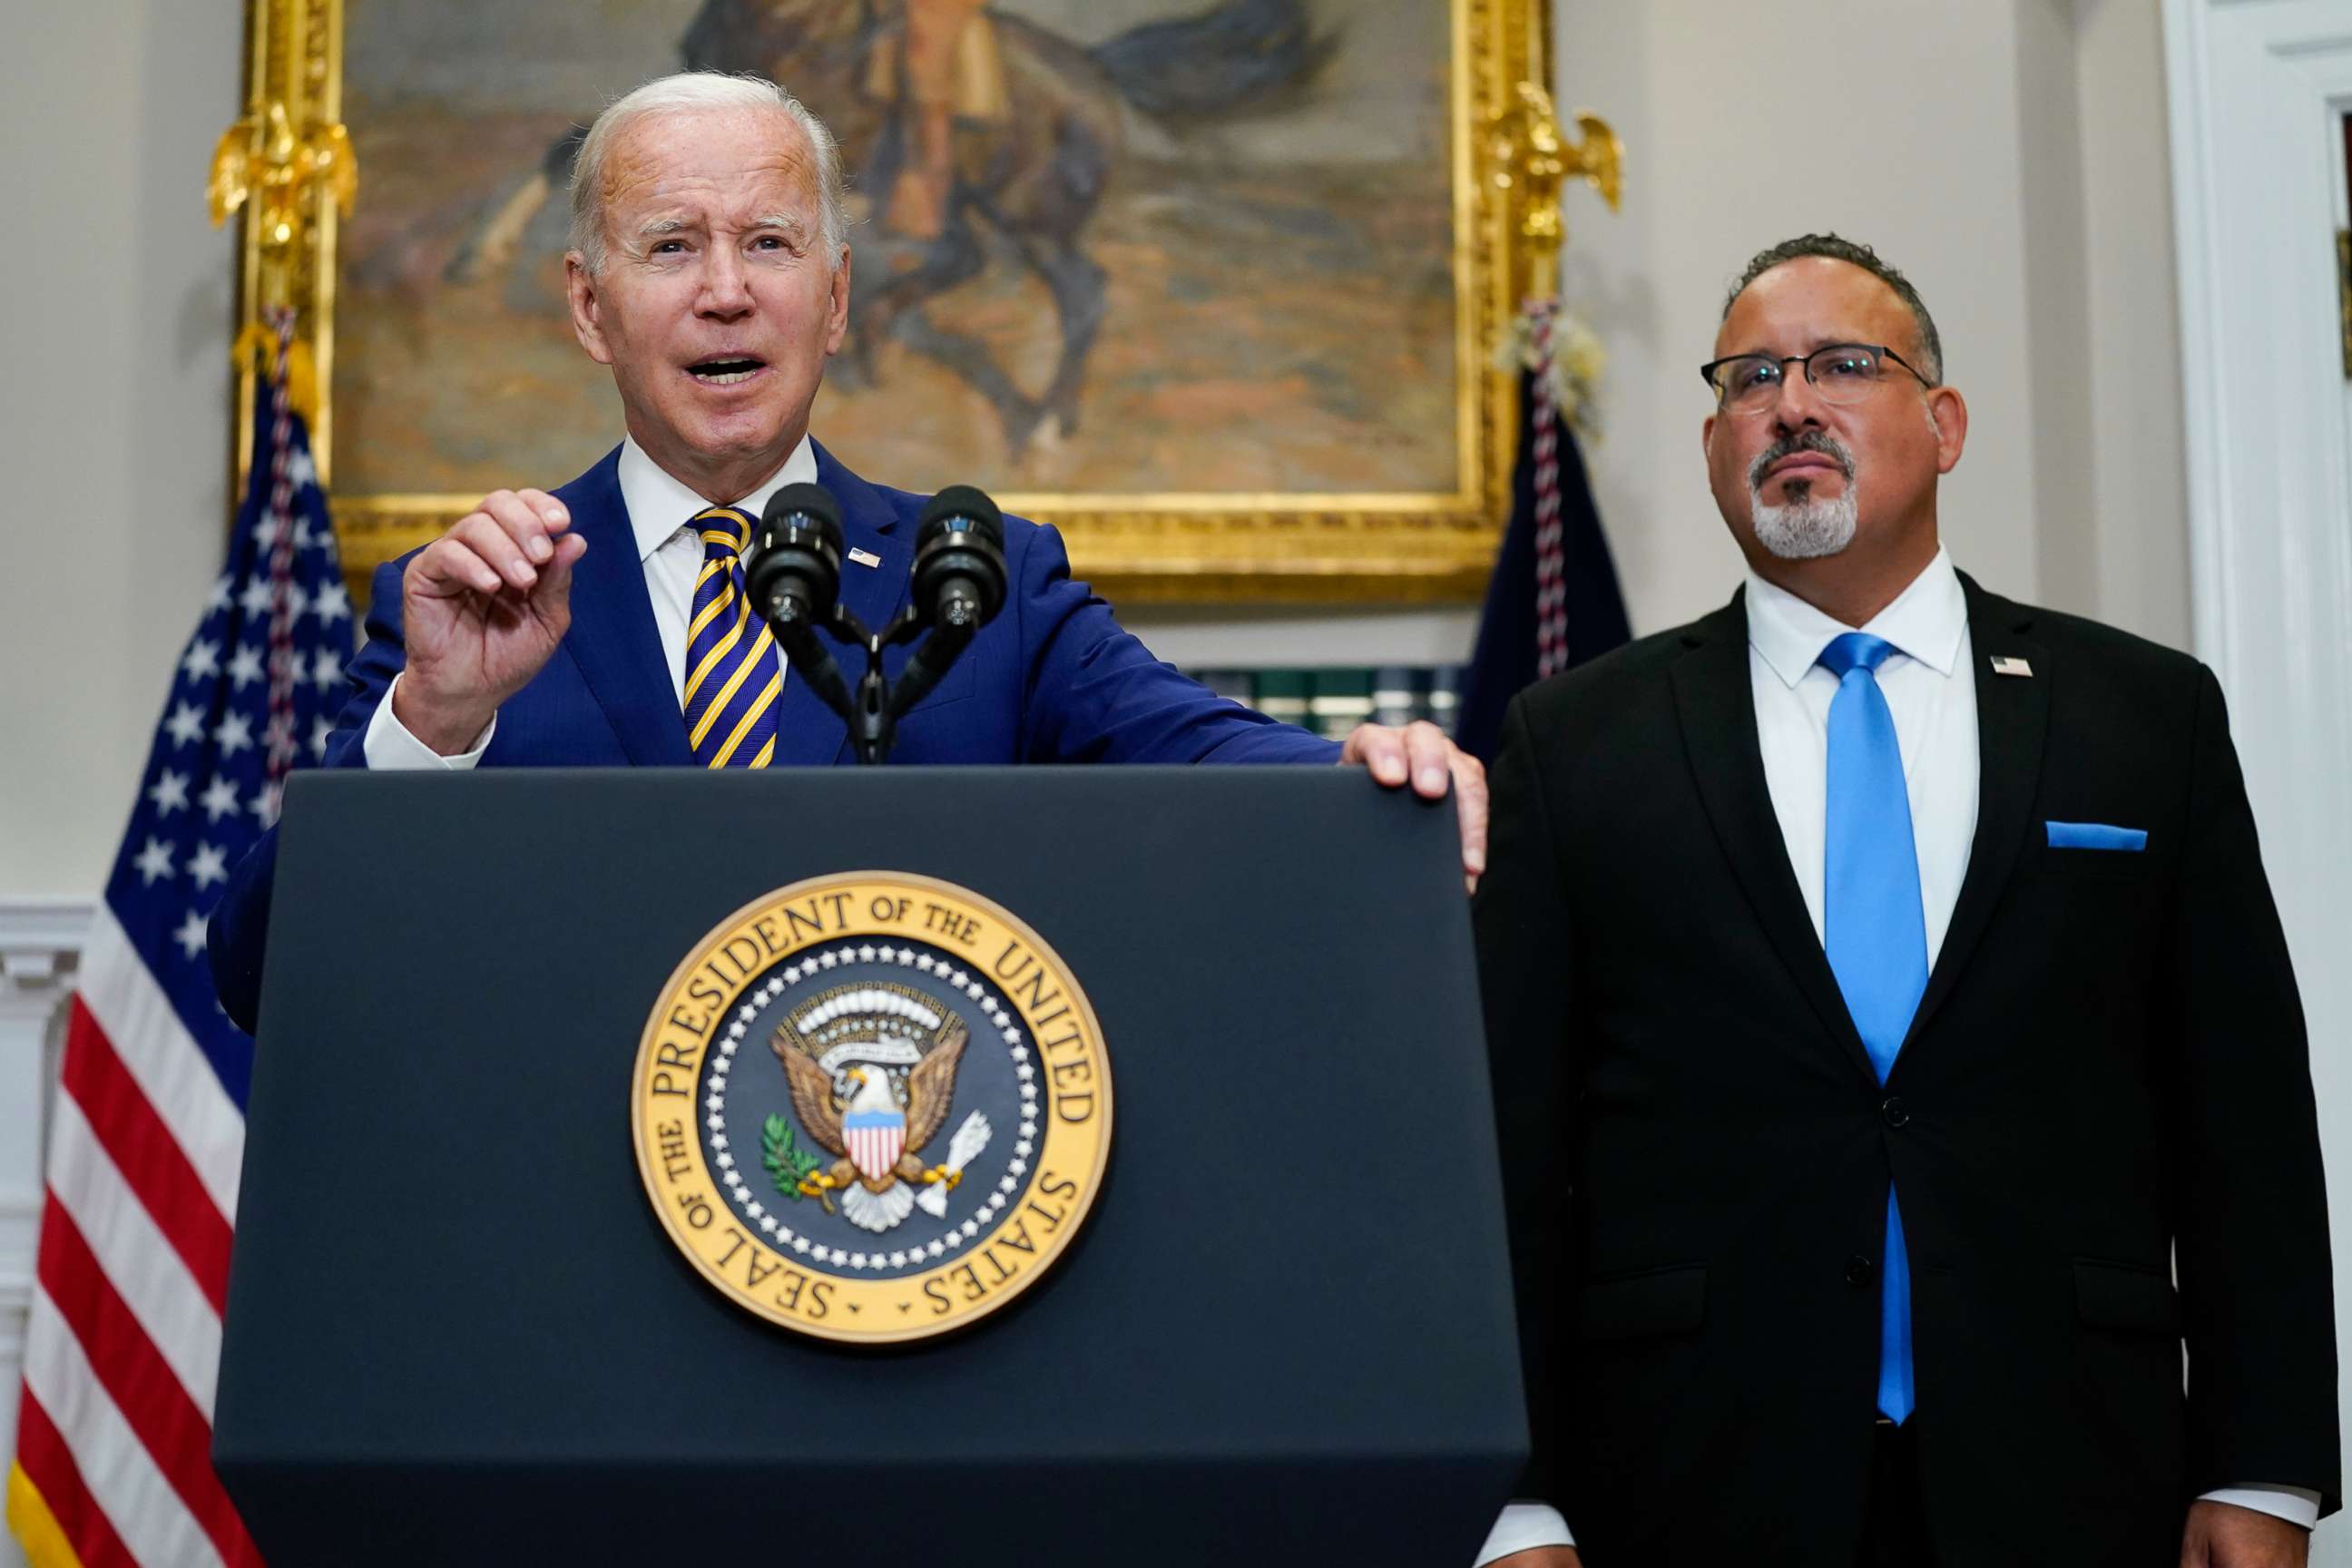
(605, 622)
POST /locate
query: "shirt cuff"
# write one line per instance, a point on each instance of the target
(2293, 1504)
(1526, 1525)
(1522, 1527)
(389, 747)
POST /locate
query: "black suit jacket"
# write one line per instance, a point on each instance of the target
(2108, 1069)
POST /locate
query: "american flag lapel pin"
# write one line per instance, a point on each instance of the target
(865, 557)
(2002, 665)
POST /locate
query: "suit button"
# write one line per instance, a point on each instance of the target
(1893, 1108)
(1858, 1270)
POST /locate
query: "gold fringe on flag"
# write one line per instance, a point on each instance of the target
(37, 1528)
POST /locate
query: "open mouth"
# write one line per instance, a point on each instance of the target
(725, 372)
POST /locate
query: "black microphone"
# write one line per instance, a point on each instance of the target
(959, 573)
(959, 583)
(795, 581)
(794, 573)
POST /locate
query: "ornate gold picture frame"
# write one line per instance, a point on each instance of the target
(1430, 541)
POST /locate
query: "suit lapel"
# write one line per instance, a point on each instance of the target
(2012, 721)
(613, 638)
(1718, 708)
(809, 733)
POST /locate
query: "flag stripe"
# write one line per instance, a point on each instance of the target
(155, 1047)
(154, 1525)
(77, 1525)
(135, 1138)
(161, 1292)
(177, 984)
(145, 1390)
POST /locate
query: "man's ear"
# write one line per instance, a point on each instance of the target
(587, 312)
(1948, 412)
(837, 327)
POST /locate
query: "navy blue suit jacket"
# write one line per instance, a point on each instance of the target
(1053, 679)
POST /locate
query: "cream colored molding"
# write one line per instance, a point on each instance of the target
(40, 938)
(40, 950)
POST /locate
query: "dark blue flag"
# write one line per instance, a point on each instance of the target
(1587, 613)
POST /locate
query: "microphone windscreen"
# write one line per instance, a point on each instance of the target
(962, 504)
(812, 500)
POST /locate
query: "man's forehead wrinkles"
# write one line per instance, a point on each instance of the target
(750, 200)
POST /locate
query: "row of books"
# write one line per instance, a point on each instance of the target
(1333, 700)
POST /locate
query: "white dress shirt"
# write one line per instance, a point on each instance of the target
(1929, 682)
(661, 511)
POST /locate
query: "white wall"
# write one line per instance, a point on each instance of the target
(114, 306)
(2008, 155)
(2141, 556)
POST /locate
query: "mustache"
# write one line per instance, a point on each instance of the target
(1803, 441)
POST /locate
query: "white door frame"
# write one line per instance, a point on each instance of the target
(2256, 89)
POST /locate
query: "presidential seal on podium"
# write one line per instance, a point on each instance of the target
(872, 1107)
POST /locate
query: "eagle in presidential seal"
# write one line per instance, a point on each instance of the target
(872, 1107)
(872, 1072)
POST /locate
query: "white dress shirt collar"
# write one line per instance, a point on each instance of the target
(1925, 622)
(659, 505)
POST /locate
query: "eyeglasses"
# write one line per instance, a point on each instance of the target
(1842, 372)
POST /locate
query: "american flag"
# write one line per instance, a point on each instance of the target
(114, 1429)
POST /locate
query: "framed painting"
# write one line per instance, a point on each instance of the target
(1210, 285)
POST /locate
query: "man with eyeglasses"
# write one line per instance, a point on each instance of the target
(1896, 1048)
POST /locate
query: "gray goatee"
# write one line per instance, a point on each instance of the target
(1802, 528)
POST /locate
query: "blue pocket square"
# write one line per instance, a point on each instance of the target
(2095, 835)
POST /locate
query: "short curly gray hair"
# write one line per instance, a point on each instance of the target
(1838, 248)
(690, 92)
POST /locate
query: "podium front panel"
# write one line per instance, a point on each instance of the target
(458, 1333)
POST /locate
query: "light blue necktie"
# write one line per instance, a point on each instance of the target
(1875, 937)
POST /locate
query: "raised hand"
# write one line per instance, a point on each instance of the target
(482, 608)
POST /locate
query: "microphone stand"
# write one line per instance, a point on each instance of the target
(957, 583)
(873, 712)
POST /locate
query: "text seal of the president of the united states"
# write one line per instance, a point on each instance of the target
(872, 1107)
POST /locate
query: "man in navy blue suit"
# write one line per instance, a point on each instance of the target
(710, 271)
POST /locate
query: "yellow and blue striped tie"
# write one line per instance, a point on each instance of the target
(732, 676)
